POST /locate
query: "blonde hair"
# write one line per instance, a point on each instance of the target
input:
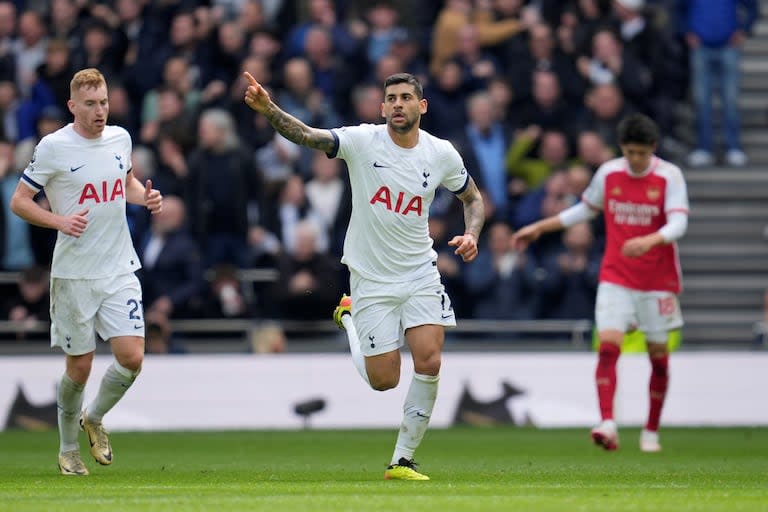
(90, 78)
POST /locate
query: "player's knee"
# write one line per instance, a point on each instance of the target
(607, 355)
(131, 361)
(612, 336)
(79, 369)
(384, 382)
(657, 349)
(608, 348)
(429, 365)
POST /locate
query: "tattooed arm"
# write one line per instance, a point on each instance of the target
(474, 209)
(286, 125)
(474, 217)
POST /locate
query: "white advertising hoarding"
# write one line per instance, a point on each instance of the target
(245, 391)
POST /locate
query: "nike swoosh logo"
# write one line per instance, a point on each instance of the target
(446, 316)
(137, 326)
(463, 171)
(378, 165)
(73, 169)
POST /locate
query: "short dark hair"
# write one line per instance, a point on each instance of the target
(405, 78)
(638, 129)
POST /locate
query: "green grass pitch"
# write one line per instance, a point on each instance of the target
(472, 469)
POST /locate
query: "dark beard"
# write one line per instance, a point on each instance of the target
(403, 128)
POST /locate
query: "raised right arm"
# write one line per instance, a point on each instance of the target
(286, 125)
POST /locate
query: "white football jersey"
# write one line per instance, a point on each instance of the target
(78, 174)
(392, 190)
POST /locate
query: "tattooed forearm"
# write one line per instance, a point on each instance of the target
(296, 131)
(474, 210)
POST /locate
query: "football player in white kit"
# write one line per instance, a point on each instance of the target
(394, 170)
(85, 170)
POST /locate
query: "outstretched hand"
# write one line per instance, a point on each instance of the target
(524, 236)
(466, 246)
(256, 96)
(152, 198)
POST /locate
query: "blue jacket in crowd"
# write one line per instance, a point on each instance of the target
(715, 21)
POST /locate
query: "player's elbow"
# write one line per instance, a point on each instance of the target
(675, 228)
(17, 204)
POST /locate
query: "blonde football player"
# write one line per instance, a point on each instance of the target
(85, 170)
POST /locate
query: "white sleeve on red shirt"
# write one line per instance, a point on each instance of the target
(677, 224)
(676, 196)
(675, 203)
(579, 212)
(594, 195)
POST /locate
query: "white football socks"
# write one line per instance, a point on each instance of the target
(69, 401)
(417, 410)
(116, 381)
(354, 347)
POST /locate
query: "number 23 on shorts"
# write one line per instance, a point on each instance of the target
(135, 311)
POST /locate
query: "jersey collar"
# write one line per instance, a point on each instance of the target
(651, 167)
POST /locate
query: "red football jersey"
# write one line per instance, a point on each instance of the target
(636, 205)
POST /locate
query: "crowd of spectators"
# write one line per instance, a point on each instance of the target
(530, 92)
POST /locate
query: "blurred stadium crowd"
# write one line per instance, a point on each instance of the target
(529, 92)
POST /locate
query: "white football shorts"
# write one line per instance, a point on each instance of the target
(382, 312)
(81, 308)
(623, 309)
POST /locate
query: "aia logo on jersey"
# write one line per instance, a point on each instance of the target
(653, 193)
(103, 192)
(386, 196)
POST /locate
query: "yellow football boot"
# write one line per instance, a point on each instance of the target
(404, 470)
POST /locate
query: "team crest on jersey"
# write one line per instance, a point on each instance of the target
(653, 193)
(616, 191)
(119, 161)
